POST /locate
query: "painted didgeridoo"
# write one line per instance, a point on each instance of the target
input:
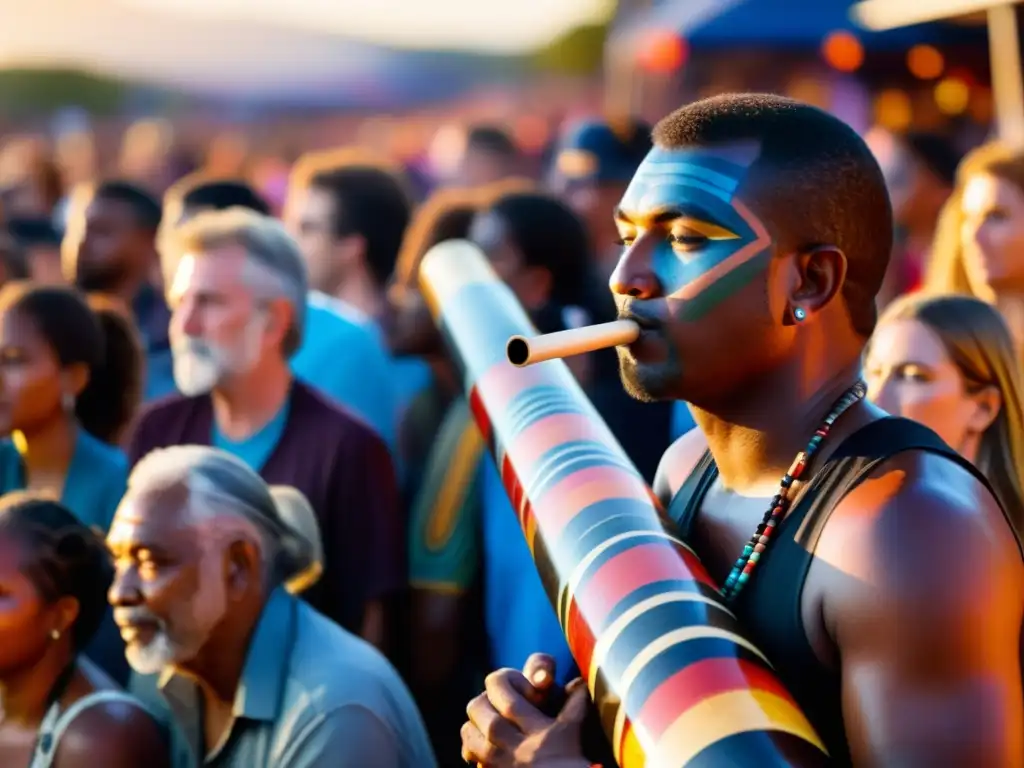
(675, 681)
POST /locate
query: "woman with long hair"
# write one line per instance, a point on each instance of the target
(980, 235)
(56, 710)
(949, 363)
(69, 385)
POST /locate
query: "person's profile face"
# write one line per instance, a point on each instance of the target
(310, 218)
(109, 244)
(992, 234)
(31, 381)
(169, 592)
(692, 270)
(910, 373)
(25, 625)
(218, 322)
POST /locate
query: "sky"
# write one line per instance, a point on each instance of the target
(500, 26)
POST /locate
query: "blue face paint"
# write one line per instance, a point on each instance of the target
(713, 245)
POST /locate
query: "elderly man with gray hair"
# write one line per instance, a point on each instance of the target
(245, 673)
(238, 299)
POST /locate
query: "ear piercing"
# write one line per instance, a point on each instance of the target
(799, 314)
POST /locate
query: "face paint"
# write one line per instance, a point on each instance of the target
(713, 244)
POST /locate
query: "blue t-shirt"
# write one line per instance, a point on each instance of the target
(343, 356)
(255, 449)
(410, 376)
(517, 613)
(95, 482)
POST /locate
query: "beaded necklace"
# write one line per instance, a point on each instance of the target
(758, 543)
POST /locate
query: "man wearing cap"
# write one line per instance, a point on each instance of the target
(245, 674)
(592, 168)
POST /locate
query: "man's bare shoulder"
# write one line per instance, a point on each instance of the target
(677, 464)
(922, 528)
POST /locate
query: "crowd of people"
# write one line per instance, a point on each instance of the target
(248, 518)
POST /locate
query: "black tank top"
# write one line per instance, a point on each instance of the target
(769, 608)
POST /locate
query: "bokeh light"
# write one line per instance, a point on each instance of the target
(925, 62)
(663, 52)
(952, 96)
(893, 110)
(843, 51)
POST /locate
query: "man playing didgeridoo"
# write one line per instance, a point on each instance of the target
(883, 581)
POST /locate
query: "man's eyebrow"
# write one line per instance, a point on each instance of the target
(662, 215)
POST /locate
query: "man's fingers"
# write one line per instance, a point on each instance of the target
(540, 670)
(509, 692)
(496, 729)
(476, 750)
(576, 706)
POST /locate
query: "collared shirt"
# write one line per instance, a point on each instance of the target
(310, 696)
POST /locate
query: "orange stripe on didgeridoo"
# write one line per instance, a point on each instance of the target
(725, 715)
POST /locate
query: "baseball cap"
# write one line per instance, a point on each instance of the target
(602, 150)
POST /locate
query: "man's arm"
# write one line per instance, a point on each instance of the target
(349, 737)
(926, 613)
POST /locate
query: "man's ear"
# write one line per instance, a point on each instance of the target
(820, 273)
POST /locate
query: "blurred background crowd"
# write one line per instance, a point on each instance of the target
(374, 130)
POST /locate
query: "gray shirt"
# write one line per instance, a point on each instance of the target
(311, 695)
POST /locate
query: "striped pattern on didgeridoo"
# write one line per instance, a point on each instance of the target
(675, 681)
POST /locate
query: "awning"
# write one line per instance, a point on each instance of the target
(780, 23)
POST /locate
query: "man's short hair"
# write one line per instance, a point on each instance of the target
(491, 139)
(145, 207)
(221, 194)
(815, 182)
(271, 250)
(373, 202)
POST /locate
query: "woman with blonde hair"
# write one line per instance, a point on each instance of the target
(980, 235)
(948, 362)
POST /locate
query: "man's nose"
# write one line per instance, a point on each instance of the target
(634, 275)
(124, 589)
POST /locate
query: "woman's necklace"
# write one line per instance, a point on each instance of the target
(762, 537)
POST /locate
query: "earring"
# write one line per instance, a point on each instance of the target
(799, 314)
(55, 634)
(67, 401)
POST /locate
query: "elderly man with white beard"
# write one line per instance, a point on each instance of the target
(238, 301)
(245, 673)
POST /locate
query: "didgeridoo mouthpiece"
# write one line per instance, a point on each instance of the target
(522, 350)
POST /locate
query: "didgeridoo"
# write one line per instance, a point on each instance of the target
(675, 681)
(527, 350)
